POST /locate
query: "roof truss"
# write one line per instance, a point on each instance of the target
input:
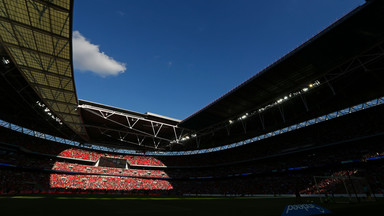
(37, 36)
(151, 137)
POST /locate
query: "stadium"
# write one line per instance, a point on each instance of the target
(306, 129)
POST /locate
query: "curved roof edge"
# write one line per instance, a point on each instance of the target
(38, 37)
(208, 112)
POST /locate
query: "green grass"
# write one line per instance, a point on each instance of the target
(129, 205)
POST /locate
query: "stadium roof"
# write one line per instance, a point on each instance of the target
(19, 102)
(331, 61)
(343, 64)
(356, 32)
(111, 126)
(338, 68)
(37, 36)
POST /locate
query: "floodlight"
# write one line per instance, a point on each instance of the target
(6, 61)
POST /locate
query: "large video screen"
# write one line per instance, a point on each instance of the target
(112, 162)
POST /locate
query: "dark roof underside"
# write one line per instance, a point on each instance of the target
(111, 126)
(355, 33)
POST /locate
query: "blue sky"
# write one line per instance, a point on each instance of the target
(174, 57)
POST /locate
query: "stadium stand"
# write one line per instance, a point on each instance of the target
(277, 174)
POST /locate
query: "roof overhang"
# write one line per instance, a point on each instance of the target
(111, 126)
(353, 34)
(38, 37)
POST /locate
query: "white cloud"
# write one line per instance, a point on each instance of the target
(87, 57)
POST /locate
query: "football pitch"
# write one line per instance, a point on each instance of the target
(181, 206)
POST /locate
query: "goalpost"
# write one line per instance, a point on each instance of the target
(343, 189)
